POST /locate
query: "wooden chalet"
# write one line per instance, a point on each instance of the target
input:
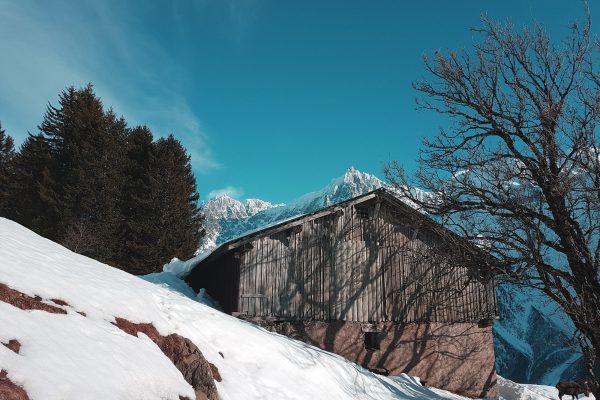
(372, 280)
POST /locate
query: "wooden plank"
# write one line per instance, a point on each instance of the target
(287, 306)
(327, 294)
(356, 281)
(360, 281)
(347, 303)
(243, 306)
(371, 283)
(260, 266)
(285, 275)
(277, 254)
(259, 276)
(378, 296)
(298, 304)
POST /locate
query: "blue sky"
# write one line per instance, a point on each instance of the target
(271, 98)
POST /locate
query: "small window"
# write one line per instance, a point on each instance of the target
(362, 212)
(371, 341)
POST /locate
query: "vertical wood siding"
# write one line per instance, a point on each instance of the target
(378, 267)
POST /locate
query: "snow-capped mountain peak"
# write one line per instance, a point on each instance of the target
(353, 183)
(228, 218)
(226, 207)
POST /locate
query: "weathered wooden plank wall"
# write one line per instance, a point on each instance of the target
(369, 263)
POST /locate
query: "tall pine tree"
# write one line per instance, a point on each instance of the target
(31, 197)
(180, 217)
(139, 229)
(87, 145)
(7, 154)
(100, 188)
(7, 147)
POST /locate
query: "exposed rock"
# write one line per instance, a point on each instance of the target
(215, 372)
(133, 329)
(184, 354)
(14, 345)
(379, 371)
(59, 302)
(9, 390)
(25, 302)
(189, 360)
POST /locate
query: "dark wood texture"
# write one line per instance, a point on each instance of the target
(364, 261)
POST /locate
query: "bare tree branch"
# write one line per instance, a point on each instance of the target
(518, 169)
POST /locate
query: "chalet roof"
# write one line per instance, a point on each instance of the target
(381, 193)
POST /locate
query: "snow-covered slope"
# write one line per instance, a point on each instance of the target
(509, 390)
(531, 339)
(82, 355)
(530, 336)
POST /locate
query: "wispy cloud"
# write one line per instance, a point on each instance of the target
(231, 191)
(47, 46)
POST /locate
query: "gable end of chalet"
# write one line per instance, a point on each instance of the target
(369, 259)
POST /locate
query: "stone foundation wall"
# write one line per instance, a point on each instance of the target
(457, 357)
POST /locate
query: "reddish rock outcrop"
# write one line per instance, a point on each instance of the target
(59, 302)
(14, 345)
(184, 354)
(25, 302)
(189, 360)
(9, 390)
(134, 328)
(215, 372)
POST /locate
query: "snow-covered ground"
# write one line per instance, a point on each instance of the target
(75, 356)
(509, 390)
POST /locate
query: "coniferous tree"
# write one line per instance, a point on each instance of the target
(180, 217)
(86, 143)
(31, 197)
(139, 227)
(7, 147)
(7, 154)
(101, 189)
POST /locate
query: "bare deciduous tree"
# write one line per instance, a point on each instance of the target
(518, 169)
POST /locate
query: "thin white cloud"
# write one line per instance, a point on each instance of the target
(231, 191)
(101, 43)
